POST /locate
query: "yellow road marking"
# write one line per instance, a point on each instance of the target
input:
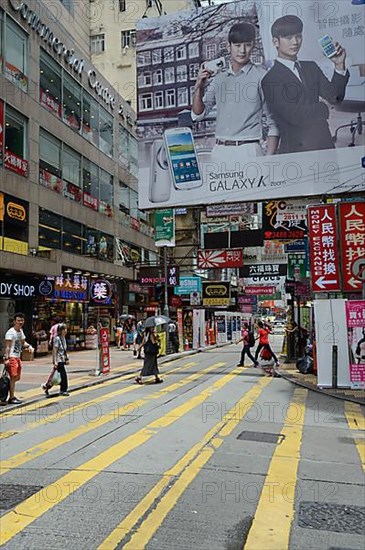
(275, 510)
(35, 506)
(54, 417)
(192, 463)
(356, 421)
(51, 444)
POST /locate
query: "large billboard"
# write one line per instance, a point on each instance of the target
(239, 101)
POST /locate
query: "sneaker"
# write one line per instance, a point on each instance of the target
(64, 393)
(45, 389)
(239, 365)
(14, 401)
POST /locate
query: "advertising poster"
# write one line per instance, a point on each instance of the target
(355, 317)
(221, 117)
(165, 227)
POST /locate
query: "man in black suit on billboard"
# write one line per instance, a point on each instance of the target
(293, 90)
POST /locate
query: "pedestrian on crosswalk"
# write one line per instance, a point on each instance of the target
(263, 337)
(60, 359)
(150, 345)
(248, 340)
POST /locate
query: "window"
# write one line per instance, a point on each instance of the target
(106, 193)
(50, 162)
(123, 145)
(97, 43)
(168, 54)
(170, 98)
(71, 102)
(72, 236)
(156, 57)
(145, 102)
(193, 49)
(71, 166)
(182, 96)
(106, 132)
(90, 119)
(145, 79)
(157, 77)
(50, 84)
(122, 5)
(169, 75)
(124, 198)
(192, 91)
(69, 5)
(16, 127)
(193, 71)
(133, 155)
(144, 59)
(133, 198)
(128, 39)
(49, 232)
(181, 52)
(158, 96)
(181, 73)
(90, 184)
(210, 51)
(16, 55)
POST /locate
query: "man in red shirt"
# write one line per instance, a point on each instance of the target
(263, 336)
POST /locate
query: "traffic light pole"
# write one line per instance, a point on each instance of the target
(166, 307)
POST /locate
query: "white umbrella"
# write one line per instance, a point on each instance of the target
(156, 321)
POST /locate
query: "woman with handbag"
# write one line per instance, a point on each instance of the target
(151, 349)
(60, 359)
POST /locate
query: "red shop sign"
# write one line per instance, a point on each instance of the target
(325, 272)
(230, 257)
(104, 350)
(16, 164)
(257, 290)
(352, 224)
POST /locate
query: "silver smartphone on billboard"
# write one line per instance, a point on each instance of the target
(328, 46)
(160, 183)
(182, 158)
(215, 66)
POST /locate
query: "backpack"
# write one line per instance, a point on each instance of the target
(251, 339)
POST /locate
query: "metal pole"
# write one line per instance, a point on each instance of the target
(166, 307)
(334, 366)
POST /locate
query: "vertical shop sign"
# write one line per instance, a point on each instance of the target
(165, 227)
(352, 226)
(1, 131)
(325, 271)
(355, 318)
(104, 351)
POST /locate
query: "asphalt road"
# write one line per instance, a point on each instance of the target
(217, 457)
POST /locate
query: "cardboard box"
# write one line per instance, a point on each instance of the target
(27, 355)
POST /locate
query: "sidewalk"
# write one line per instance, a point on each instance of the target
(290, 373)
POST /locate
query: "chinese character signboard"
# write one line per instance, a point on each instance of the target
(220, 258)
(150, 276)
(16, 164)
(165, 227)
(262, 271)
(70, 288)
(355, 318)
(297, 266)
(216, 293)
(100, 292)
(104, 350)
(352, 226)
(325, 270)
(284, 220)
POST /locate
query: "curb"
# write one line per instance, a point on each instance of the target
(293, 380)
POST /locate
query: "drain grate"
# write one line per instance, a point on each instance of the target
(332, 517)
(261, 437)
(12, 495)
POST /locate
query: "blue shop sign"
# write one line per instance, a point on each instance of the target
(188, 285)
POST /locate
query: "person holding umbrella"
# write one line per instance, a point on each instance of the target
(151, 348)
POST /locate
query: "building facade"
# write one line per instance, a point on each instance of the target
(68, 175)
(113, 37)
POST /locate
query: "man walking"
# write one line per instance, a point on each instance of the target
(240, 103)
(248, 340)
(14, 343)
(293, 90)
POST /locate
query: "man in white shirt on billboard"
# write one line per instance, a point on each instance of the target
(237, 94)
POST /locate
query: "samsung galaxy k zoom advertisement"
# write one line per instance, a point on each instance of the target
(250, 101)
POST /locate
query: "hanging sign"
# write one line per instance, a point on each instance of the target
(220, 258)
(352, 227)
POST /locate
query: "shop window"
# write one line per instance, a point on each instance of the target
(16, 54)
(106, 132)
(105, 247)
(90, 184)
(90, 242)
(16, 126)
(97, 43)
(50, 84)
(71, 174)
(72, 236)
(49, 233)
(71, 102)
(106, 193)
(90, 119)
(50, 162)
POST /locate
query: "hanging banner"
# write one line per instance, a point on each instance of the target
(104, 350)
(355, 318)
(325, 265)
(262, 271)
(352, 228)
(220, 258)
(165, 227)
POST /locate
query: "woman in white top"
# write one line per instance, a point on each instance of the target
(60, 359)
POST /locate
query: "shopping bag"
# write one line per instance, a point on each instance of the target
(4, 385)
(54, 378)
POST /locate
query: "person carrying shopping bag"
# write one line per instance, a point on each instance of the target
(60, 359)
